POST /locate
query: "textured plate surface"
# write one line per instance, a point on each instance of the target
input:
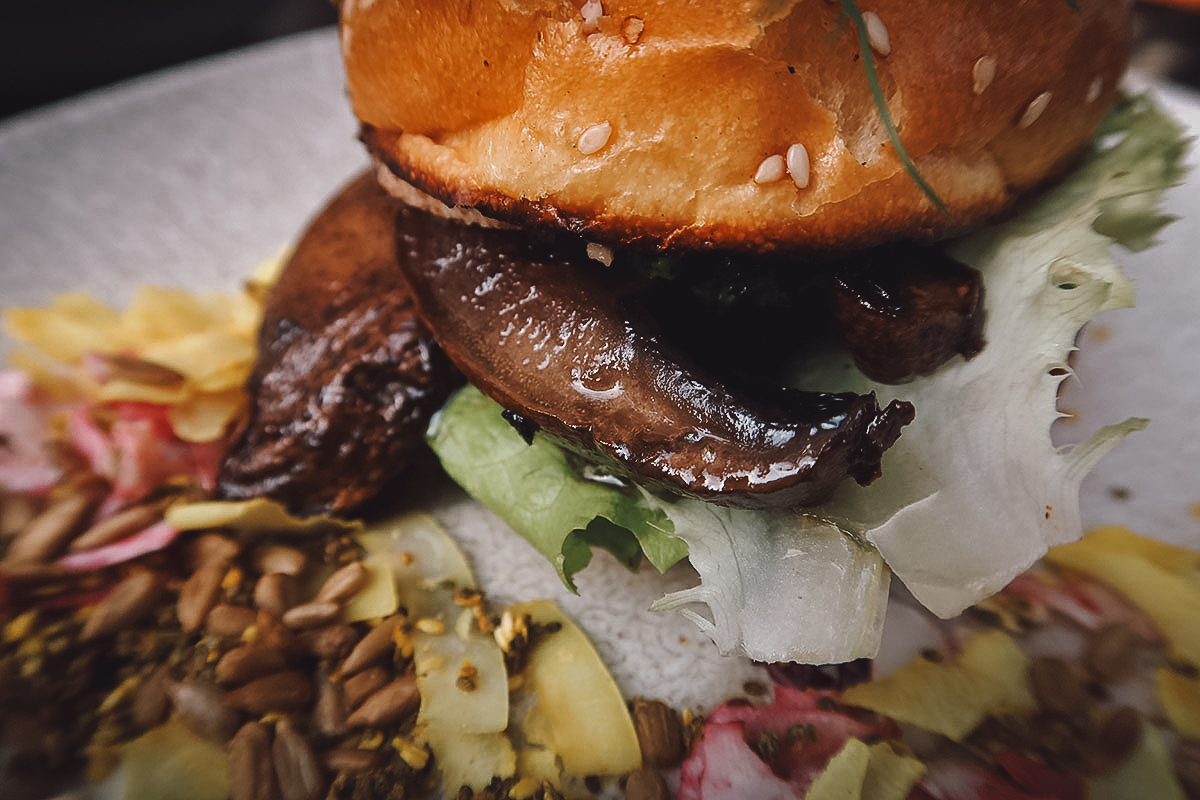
(191, 177)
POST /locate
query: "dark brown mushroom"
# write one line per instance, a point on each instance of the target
(546, 332)
(903, 311)
(347, 375)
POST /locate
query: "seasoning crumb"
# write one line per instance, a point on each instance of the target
(598, 252)
(414, 755)
(468, 677)
(467, 597)
(631, 29)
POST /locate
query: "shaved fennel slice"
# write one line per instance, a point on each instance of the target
(975, 491)
(779, 586)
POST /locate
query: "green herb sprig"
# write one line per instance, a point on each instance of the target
(885, 115)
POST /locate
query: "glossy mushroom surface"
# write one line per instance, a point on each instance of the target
(347, 376)
(552, 336)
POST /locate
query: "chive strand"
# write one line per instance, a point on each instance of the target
(885, 115)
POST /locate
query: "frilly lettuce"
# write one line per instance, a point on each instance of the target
(542, 494)
(972, 494)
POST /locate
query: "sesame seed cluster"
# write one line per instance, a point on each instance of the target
(752, 128)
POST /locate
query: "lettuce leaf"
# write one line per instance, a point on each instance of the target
(975, 491)
(972, 494)
(542, 494)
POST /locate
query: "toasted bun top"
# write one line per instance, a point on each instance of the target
(670, 123)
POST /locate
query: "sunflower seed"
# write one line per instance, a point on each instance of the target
(280, 691)
(659, 732)
(296, 767)
(311, 615)
(212, 548)
(48, 535)
(150, 702)
(118, 526)
(131, 600)
(275, 558)
(1111, 653)
(251, 774)
(646, 784)
(17, 510)
(390, 704)
(277, 591)
(345, 759)
(198, 595)
(366, 683)
(229, 620)
(199, 706)
(329, 643)
(331, 710)
(344, 583)
(269, 631)
(1057, 687)
(1118, 737)
(377, 645)
(248, 662)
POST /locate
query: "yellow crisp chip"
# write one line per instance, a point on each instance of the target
(572, 684)
(122, 390)
(267, 273)
(206, 341)
(1119, 540)
(1179, 697)
(1170, 600)
(158, 313)
(211, 360)
(73, 325)
(259, 515)
(991, 676)
(205, 416)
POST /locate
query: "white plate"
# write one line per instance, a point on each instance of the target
(191, 177)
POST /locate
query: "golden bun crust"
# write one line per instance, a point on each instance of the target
(649, 123)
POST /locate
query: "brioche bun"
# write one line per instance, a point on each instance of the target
(649, 123)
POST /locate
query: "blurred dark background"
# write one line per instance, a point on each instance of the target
(51, 49)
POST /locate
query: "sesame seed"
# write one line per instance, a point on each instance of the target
(984, 73)
(797, 164)
(877, 32)
(592, 11)
(772, 169)
(594, 138)
(1093, 92)
(431, 626)
(1034, 110)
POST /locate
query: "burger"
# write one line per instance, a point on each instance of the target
(787, 289)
